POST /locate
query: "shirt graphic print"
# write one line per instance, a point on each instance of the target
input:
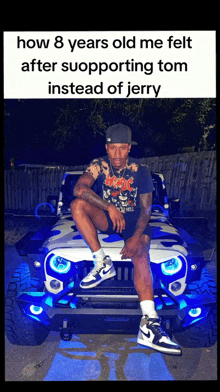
(121, 187)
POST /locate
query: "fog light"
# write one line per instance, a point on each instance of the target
(176, 286)
(55, 284)
(195, 312)
(36, 309)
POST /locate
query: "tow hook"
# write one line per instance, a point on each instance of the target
(65, 333)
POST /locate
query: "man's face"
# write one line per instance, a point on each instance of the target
(118, 154)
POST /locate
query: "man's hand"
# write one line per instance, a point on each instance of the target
(117, 218)
(130, 248)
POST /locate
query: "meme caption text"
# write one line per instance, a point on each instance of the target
(119, 65)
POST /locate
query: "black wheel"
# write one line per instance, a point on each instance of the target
(19, 329)
(204, 332)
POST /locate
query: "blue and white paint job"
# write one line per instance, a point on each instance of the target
(66, 242)
(64, 248)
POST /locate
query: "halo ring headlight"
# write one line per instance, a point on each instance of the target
(36, 309)
(59, 264)
(195, 312)
(171, 266)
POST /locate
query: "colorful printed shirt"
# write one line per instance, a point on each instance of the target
(121, 187)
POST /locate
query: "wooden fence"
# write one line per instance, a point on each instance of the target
(189, 176)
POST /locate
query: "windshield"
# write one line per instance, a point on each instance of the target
(71, 179)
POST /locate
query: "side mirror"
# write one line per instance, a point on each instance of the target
(174, 207)
(53, 201)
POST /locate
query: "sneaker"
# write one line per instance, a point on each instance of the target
(103, 270)
(152, 335)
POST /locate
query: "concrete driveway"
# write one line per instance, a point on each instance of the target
(105, 357)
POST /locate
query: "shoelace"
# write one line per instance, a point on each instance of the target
(156, 327)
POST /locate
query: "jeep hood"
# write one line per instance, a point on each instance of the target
(64, 235)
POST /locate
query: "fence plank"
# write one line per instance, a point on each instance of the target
(189, 176)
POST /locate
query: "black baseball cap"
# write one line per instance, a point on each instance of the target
(119, 133)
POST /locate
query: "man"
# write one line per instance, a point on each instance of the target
(122, 204)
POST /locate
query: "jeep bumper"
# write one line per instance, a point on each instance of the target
(97, 311)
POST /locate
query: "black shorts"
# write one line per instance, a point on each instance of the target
(131, 219)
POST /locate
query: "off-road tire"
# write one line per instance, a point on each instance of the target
(19, 329)
(203, 333)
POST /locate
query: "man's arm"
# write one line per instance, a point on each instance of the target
(83, 190)
(146, 202)
(132, 244)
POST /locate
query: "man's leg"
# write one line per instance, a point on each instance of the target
(143, 278)
(88, 219)
(142, 274)
(150, 333)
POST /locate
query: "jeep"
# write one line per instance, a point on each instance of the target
(44, 292)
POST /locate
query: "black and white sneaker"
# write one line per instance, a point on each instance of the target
(103, 270)
(152, 335)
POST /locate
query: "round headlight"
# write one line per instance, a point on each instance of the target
(171, 266)
(176, 286)
(55, 284)
(59, 264)
(36, 309)
(195, 312)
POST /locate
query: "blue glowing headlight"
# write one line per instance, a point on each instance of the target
(36, 309)
(195, 312)
(194, 315)
(171, 266)
(59, 264)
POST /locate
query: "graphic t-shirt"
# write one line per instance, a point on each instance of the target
(121, 187)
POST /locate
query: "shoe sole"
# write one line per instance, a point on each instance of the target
(163, 350)
(105, 277)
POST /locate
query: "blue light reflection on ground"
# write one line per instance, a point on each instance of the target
(66, 369)
(75, 362)
(140, 366)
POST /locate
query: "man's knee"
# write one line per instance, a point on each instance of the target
(144, 243)
(77, 206)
